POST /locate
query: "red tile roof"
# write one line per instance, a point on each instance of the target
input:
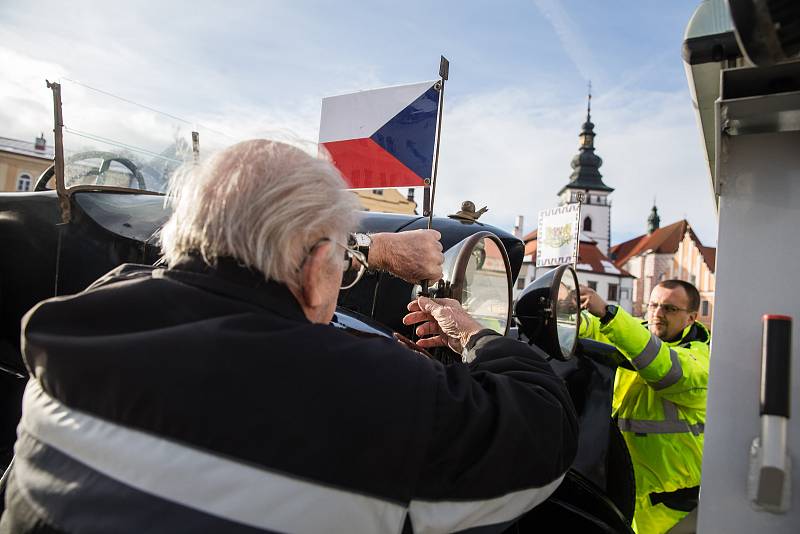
(531, 235)
(664, 240)
(710, 257)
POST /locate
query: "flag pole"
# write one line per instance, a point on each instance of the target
(444, 72)
(578, 245)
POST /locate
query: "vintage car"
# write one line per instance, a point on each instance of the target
(108, 209)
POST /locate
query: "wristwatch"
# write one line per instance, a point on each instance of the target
(611, 311)
(362, 242)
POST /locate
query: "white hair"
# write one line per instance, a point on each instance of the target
(264, 203)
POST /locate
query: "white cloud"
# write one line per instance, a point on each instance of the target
(27, 103)
(511, 150)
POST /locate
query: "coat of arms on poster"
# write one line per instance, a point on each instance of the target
(557, 237)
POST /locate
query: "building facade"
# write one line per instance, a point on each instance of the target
(387, 201)
(671, 252)
(594, 268)
(21, 162)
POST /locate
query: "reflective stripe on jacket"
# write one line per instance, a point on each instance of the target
(661, 407)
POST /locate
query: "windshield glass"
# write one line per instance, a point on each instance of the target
(115, 169)
(121, 143)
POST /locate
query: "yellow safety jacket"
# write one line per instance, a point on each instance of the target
(661, 407)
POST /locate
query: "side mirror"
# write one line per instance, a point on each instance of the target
(548, 311)
(477, 273)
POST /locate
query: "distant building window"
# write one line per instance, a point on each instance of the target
(704, 311)
(24, 182)
(693, 280)
(623, 294)
(592, 285)
(612, 291)
(521, 282)
(587, 224)
(377, 191)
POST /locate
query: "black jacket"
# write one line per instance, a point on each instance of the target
(199, 399)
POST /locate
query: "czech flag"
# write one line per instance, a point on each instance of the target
(384, 137)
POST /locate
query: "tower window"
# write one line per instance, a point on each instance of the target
(24, 182)
(587, 224)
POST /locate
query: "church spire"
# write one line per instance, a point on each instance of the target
(589, 104)
(653, 221)
(586, 164)
(587, 130)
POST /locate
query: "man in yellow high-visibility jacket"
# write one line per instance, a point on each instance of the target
(661, 406)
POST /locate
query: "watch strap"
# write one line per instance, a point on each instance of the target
(611, 311)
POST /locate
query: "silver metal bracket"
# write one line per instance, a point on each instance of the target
(770, 473)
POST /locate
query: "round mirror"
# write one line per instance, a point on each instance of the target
(477, 273)
(548, 312)
(484, 293)
(567, 311)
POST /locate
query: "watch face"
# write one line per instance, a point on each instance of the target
(362, 240)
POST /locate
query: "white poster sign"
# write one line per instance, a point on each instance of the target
(557, 237)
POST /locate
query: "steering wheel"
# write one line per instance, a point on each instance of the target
(106, 159)
(44, 178)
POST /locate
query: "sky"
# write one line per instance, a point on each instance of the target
(513, 107)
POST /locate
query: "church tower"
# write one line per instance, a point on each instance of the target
(653, 221)
(586, 179)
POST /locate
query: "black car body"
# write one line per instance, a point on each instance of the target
(58, 242)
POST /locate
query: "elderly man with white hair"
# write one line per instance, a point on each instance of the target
(214, 396)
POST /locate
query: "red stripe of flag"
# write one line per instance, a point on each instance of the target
(356, 159)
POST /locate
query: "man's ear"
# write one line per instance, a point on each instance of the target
(313, 275)
(692, 316)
